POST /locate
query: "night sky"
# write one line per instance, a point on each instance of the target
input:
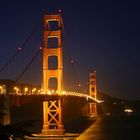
(102, 35)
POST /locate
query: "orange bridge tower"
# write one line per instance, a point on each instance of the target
(93, 92)
(52, 110)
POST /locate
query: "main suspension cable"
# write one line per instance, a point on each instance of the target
(71, 60)
(29, 64)
(20, 48)
(34, 57)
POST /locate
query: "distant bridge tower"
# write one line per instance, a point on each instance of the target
(52, 111)
(93, 92)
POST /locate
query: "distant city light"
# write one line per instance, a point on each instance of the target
(128, 110)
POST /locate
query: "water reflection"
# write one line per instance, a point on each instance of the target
(113, 128)
(94, 132)
(88, 134)
(109, 128)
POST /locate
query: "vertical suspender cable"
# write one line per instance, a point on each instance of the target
(32, 60)
(19, 49)
(71, 60)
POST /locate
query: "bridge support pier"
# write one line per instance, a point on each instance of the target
(5, 108)
(52, 118)
(6, 118)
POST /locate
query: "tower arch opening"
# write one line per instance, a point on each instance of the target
(53, 84)
(52, 62)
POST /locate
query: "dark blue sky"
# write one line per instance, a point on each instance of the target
(102, 35)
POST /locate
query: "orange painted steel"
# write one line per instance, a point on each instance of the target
(52, 111)
(93, 92)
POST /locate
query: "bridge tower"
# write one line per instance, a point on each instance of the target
(52, 110)
(93, 92)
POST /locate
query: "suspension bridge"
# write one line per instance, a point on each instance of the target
(38, 72)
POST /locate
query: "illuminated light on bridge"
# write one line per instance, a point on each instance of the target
(19, 49)
(0, 88)
(54, 93)
(81, 95)
(128, 110)
(26, 89)
(33, 90)
(16, 89)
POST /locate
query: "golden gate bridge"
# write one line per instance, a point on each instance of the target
(51, 86)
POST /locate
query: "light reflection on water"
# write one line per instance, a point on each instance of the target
(113, 128)
(110, 128)
(89, 134)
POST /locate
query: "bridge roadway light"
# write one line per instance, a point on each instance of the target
(25, 89)
(41, 90)
(57, 92)
(0, 89)
(33, 90)
(49, 92)
(52, 91)
(16, 89)
(63, 92)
